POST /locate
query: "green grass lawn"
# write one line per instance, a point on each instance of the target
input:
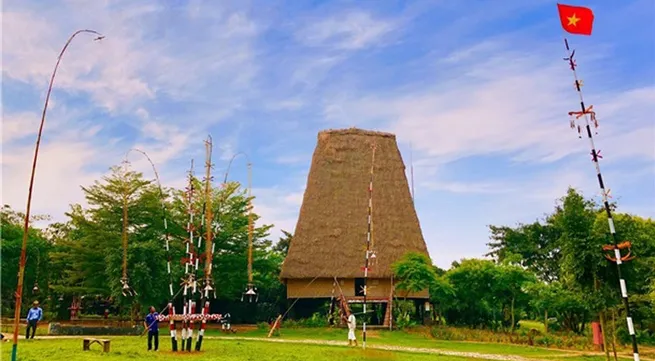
(134, 348)
(399, 338)
(131, 347)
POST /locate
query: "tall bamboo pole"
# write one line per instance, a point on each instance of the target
(26, 224)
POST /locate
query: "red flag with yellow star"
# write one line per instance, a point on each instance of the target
(576, 19)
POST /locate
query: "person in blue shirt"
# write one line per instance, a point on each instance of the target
(34, 315)
(152, 325)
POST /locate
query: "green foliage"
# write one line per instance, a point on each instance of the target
(565, 251)
(282, 246)
(402, 314)
(83, 256)
(37, 259)
(487, 294)
(414, 273)
(58, 329)
(521, 337)
(318, 320)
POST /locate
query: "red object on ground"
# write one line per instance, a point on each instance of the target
(598, 333)
(576, 19)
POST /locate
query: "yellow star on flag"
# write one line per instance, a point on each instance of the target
(573, 20)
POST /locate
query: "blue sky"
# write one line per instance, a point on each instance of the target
(477, 90)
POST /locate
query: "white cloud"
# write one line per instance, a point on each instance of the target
(18, 125)
(350, 31)
(61, 169)
(293, 159)
(139, 61)
(466, 187)
(279, 207)
(502, 102)
(135, 61)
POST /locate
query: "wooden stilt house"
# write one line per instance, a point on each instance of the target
(327, 252)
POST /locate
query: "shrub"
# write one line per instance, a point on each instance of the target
(317, 320)
(58, 329)
(523, 336)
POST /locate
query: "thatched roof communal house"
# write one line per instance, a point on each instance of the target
(329, 242)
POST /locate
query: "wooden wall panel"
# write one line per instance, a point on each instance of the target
(322, 288)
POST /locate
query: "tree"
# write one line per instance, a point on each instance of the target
(89, 250)
(442, 295)
(282, 246)
(533, 246)
(37, 263)
(565, 250)
(92, 253)
(555, 300)
(509, 287)
(414, 273)
(473, 306)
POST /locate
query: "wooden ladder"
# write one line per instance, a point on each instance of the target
(344, 310)
(388, 314)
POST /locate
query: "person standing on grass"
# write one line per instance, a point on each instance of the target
(34, 315)
(352, 325)
(152, 325)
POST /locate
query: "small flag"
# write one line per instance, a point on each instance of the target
(576, 19)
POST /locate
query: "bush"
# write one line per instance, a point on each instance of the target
(402, 314)
(644, 337)
(49, 316)
(317, 320)
(523, 336)
(58, 329)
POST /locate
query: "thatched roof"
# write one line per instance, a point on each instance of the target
(330, 236)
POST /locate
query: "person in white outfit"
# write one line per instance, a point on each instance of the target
(352, 325)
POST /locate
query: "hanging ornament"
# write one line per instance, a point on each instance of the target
(250, 294)
(35, 289)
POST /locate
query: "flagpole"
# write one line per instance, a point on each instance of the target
(587, 113)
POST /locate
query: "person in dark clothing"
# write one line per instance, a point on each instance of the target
(34, 315)
(152, 325)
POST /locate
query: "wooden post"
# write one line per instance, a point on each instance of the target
(275, 325)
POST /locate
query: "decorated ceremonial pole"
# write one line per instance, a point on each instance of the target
(162, 201)
(251, 290)
(369, 239)
(209, 244)
(189, 277)
(171, 307)
(579, 20)
(127, 290)
(26, 223)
